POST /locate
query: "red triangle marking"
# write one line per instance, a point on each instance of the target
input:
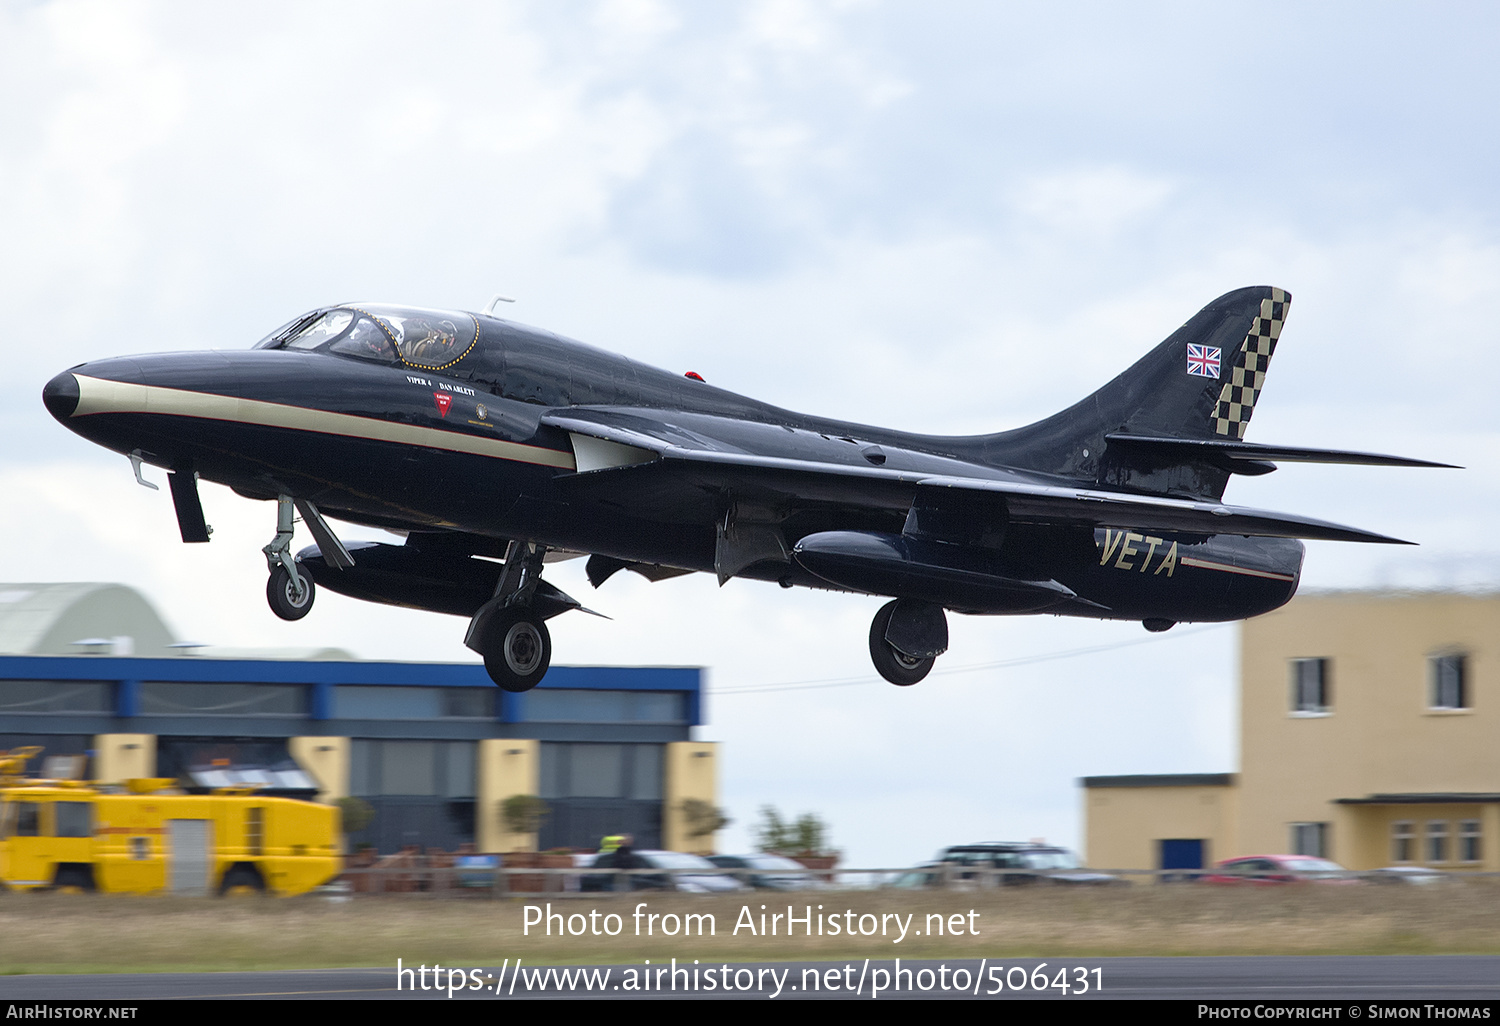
(443, 402)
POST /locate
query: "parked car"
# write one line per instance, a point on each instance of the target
(1024, 862)
(709, 881)
(1420, 876)
(928, 874)
(771, 872)
(1278, 869)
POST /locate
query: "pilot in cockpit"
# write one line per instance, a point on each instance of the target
(428, 341)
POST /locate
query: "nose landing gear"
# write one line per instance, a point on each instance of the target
(290, 598)
(290, 590)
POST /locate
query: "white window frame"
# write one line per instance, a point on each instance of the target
(1449, 687)
(1435, 840)
(1470, 841)
(1321, 703)
(1314, 836)
(1404, 841)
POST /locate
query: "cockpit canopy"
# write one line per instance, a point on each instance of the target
(428, 339)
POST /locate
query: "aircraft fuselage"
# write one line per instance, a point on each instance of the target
(475, 435)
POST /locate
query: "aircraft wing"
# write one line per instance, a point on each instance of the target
(623, 459)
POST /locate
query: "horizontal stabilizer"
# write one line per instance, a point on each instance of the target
(1054, 505)
(1216, 449)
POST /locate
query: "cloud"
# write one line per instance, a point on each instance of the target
(1092, 202)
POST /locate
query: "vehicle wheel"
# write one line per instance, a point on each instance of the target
(518, 652)
(242, 880)
(282, 594)
(899, 669)
(74, 879)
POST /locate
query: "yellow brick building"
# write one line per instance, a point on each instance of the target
(1369, 733)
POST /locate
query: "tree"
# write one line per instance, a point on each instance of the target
(702, 817)
(356, 814)
(807, 835)
(523, 813)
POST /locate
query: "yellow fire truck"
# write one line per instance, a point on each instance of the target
(146, 836)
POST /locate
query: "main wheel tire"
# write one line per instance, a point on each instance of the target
(281, 593)
(901, 670)
(518, 651)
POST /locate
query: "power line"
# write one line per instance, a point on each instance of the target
(843, 682)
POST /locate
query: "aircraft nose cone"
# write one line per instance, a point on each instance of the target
(60, 395)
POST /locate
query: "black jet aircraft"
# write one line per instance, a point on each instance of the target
(489, 445)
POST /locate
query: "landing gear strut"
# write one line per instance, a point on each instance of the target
(290, 590)
(508, 630)
(906, 638)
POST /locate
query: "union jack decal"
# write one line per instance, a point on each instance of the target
(1203, 361)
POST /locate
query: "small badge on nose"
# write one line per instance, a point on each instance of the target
(443, 402)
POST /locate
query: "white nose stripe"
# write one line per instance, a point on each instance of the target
(99, 395)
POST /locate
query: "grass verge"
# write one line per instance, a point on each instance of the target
(59, 933)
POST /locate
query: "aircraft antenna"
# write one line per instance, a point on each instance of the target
(497, 298)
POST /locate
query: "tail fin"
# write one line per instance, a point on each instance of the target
(1247, 375)
(1201, 383)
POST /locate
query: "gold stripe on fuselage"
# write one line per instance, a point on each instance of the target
(99, 395)
(1226, 568)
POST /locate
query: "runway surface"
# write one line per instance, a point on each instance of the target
(1268, 978)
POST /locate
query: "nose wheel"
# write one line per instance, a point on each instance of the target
(290, 589)
(517, 650)
(290, 598)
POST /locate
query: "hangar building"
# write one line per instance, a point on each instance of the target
(434, 748)
(1369, 734)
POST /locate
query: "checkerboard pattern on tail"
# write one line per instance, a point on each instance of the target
(1248, 375)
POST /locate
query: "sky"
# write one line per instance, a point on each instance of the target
(940, 218)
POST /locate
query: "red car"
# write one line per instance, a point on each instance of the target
(1278, 869)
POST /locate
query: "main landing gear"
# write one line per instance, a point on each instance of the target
(509, 630)
(290, 590)
(517, 650)
(906, 638)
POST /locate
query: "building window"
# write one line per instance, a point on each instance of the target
(1310, 839)
(590, 770)
(1437, 841)
(437, 769)
(1468, 841)
(398, 702)
(1403, 841)
(576, 705)
(1450, 681)
(1310, 686)
(182, 698)
(57, 696)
